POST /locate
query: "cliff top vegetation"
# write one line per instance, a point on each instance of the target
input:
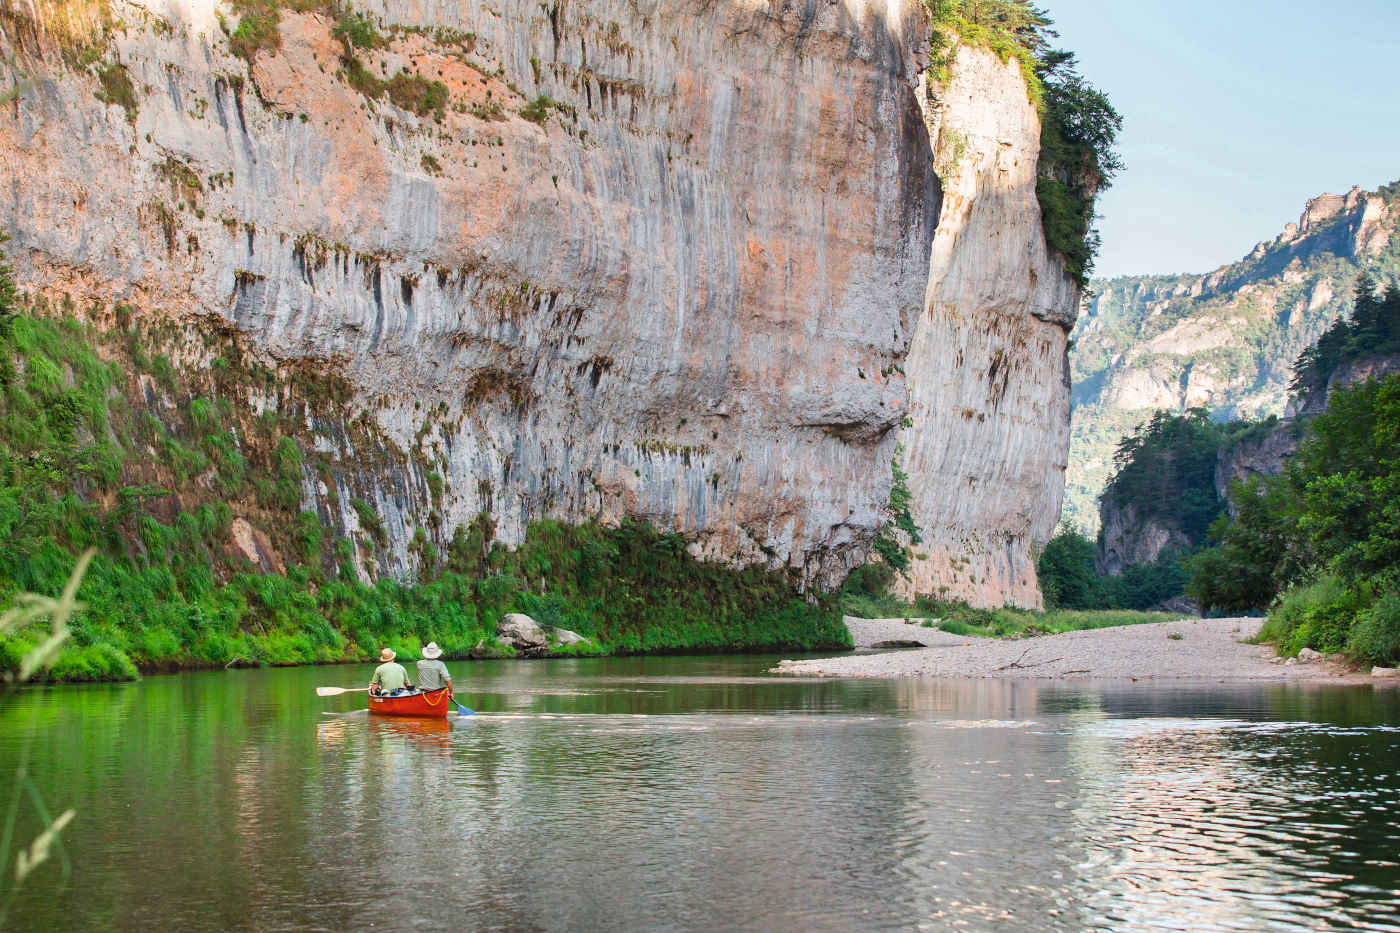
(1079, 125)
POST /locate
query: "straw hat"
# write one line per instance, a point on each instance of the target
(431, 651)
(386, 655)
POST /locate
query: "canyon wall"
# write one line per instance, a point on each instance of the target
(989, 370)
(1226, 339)
(635, 257)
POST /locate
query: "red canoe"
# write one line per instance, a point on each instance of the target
(434, 703)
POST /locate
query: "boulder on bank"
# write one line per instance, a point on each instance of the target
(522, 632)
(518, 635)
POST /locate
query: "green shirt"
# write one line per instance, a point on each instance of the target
(432, 675)
(390, 676)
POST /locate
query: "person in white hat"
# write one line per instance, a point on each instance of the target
(432, 673)
(390, 679)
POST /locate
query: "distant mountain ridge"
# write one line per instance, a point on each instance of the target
(1225, 340)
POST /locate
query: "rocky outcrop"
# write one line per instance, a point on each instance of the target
(1226, 340)
(518, 635)
(1127, 538)
(1348, 373)
(1263, 452)
(589, 259)
(989, 375)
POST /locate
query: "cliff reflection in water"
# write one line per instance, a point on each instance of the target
(693, 793)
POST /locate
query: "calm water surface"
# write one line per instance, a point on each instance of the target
(686, 793)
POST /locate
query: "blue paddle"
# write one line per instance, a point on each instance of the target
(463, 710)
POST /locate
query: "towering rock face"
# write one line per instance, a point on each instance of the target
(581, 259)
(989, 374)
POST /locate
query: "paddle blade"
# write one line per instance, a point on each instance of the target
(337, 691)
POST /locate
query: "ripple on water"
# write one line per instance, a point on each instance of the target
(637, 800)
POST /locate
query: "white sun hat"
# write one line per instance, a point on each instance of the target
(431, 651)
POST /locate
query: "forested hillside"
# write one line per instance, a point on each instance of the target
(1310, 531)
(1225, 341)
(1319, 544)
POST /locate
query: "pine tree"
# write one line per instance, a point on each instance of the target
(1366, 304)
(1388, 320)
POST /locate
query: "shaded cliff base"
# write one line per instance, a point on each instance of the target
(1185, 649)
(241, 512)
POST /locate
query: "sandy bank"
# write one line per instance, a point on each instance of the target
(1189, 649)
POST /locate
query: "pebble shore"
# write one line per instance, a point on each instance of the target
(1188, 649)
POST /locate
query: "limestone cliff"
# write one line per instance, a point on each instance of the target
(603, 258)
(989, 375)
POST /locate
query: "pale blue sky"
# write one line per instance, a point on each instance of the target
(1235, 112)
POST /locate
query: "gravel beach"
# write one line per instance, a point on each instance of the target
(1189, 649)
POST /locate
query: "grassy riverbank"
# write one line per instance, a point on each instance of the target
(631, 589)
(865, 596)
(189, 467)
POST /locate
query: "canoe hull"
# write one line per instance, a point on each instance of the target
(431, 705)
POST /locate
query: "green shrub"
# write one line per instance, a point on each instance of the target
(417, 93)
(92, 663)
(1376, 637)
(1068, 578)
(257, 31)
(1316, 615)
(537, 110)
(370, 522)
(898, 532)
(356, 30)
(116, 88)
(155, 645)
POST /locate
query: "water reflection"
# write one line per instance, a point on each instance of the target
(696, 793)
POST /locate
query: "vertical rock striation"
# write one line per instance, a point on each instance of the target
(646, 257)
(988, 371)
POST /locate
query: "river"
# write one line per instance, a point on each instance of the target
(700, 794)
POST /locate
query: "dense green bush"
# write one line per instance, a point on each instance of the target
(1068, 579)
(1324, 536)
(1317, 615)
(1376, 636)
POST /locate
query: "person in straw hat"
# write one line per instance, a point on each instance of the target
(390, 679)
(432, 673)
